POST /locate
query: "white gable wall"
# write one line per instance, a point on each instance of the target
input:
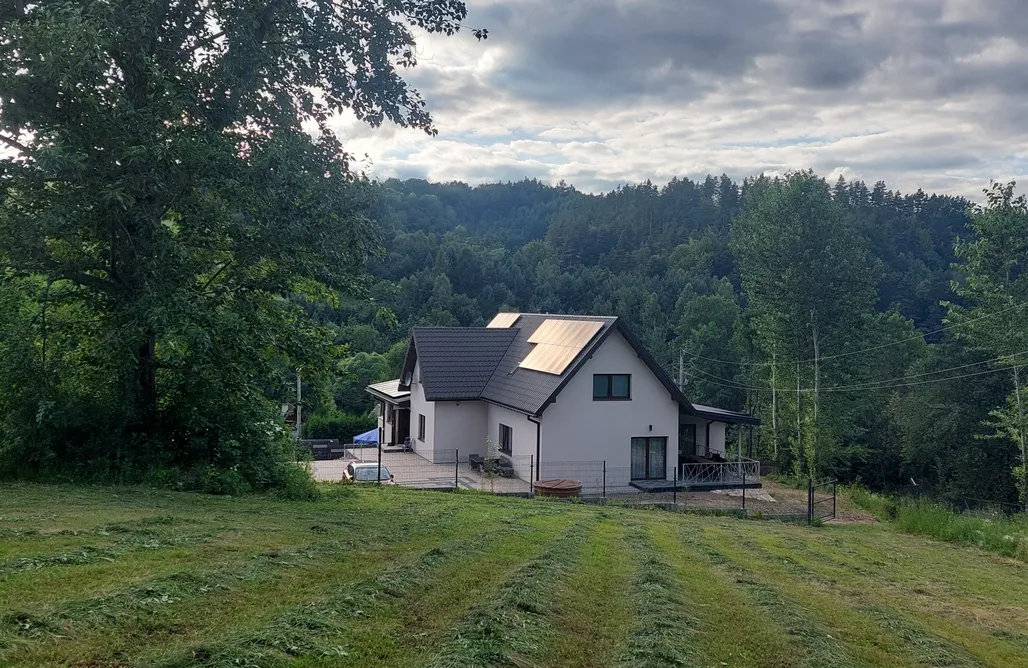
(418, 406)
(575, 428)
(460, 426)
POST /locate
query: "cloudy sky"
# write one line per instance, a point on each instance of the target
(919, 93)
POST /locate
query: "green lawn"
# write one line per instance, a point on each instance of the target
(394, 577)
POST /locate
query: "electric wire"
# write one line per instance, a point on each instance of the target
(857, 352)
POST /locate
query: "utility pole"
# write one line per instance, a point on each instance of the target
(817, 387)
(299, 400)
(681, 370)
(799, 417)
(1020, 426)
(774, 403)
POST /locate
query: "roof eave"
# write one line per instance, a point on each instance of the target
(385, 397)
(734, 418)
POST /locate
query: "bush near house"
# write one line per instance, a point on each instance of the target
(337, 424)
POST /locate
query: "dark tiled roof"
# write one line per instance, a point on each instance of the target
(457, 362)
(528, 390)
(465, 363)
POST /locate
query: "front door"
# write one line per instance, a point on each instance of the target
(402, 429)
(686, 443)
(649, 458)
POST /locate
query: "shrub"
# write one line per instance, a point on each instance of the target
(1008, 537)
(297, 485)
(338, 425)
(879, 505)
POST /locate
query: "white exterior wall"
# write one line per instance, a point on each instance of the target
(576, 428)
(386, 421)
(418, 406)
(717, 434)
(461, 426)
(717, 438)
(523, 435)
(701, 431)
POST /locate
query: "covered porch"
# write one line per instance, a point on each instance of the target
(715, 451)
(393, 409)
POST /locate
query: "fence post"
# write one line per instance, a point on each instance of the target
(604, 493)
(531, 474)
(456, 470)
(379, 474)
(835, 488)
(675, 487)
(744, 490)
(810, 500)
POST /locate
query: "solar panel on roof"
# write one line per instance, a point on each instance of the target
(503, 320)
(557, 344)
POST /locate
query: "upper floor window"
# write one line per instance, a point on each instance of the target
(612, 386)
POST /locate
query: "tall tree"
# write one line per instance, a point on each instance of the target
(809, 282)
(158, 163)
(995, 285)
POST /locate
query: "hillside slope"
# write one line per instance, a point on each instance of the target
(395, 577)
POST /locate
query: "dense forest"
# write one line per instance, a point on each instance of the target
(183, 236)
(735, 281)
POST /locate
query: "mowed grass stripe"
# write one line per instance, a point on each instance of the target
(275, 582)
(664, 630)
(226, 540)
(864, 638)
(592, 605)
(410, 630)
(337, 597)
(941, 570)
(514, 625)
(327, 629)
(734, 629)
(942, 633)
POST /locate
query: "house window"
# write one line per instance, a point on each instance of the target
(612, 386)
(421, 427)
(506, 439)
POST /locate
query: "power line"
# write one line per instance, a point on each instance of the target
(857, 352)
(883, 384)
(880, 387)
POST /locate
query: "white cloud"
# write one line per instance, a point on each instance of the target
(924, 93)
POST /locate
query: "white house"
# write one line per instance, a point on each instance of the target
(549, 391)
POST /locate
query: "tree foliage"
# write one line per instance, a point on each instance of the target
(174, 181)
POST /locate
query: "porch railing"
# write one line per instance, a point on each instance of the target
(734, 472)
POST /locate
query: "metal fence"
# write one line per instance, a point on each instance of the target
(822, 508)
(735, 472)
(446, 469)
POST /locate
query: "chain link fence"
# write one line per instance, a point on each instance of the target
(449, 469)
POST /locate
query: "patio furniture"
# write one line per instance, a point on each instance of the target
(477, 462)
(499, 466)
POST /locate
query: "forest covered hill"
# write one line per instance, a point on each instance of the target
(676, 262)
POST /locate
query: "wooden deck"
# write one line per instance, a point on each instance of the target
(654, 486)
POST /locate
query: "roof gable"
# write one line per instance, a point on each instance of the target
(467, 363)
(456, 362)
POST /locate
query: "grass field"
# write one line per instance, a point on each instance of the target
(395, 577)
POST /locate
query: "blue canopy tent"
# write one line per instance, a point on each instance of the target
(367, 437)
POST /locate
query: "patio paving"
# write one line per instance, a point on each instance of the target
(412, 470)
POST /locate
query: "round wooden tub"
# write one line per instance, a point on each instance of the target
(559, 487)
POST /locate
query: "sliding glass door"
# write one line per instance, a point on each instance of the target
(649, 458)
